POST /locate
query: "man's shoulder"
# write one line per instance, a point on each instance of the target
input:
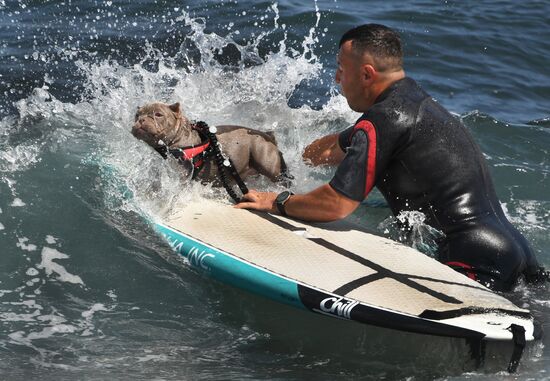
(410, 90)
(400, 103)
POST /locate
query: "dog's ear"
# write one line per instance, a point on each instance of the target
(175, 108)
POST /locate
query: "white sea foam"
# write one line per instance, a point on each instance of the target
(87, 326)
(90, 313)
(22, 244)
(13, 317)
(48, 264)
(17, 202)
(42, 326)
(111, 294)
(19, 157)
(154, 358)
(49, 331)
(2, 227)
(528, 214)
(51, 240)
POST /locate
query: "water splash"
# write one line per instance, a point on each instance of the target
(409, 227)
(253, 91)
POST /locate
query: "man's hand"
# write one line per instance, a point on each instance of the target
(323, 204)
(263, 201)
(324, 151)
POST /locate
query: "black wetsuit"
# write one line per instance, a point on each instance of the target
(422, 158)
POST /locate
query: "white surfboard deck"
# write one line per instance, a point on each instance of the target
(339, 270)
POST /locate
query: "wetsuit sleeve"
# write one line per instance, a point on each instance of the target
(344, 139)
(351, 175)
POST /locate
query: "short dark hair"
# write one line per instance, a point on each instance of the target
(381, 42)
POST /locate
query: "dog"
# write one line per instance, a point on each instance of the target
(165, 128)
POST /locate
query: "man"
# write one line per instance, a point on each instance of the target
(420, 158)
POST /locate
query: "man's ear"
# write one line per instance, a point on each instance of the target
(175, 108)
(369, 73)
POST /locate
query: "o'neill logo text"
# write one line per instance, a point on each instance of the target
(337, 306)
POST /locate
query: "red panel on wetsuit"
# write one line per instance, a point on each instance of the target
(467, 268)
(369, 129)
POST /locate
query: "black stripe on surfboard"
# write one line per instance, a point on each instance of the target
(359, 282)
(449, 314)
(291, 227)
(384, 272)
(354, 284)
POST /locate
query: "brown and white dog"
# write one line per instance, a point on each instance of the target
(164, 127)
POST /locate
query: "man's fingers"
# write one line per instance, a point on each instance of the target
(257, 201)
(251, 196)
(248, 200)
(244, 205)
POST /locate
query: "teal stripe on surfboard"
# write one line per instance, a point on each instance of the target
(228, 269)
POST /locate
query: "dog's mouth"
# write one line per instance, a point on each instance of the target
(138, 132)
(143, 134)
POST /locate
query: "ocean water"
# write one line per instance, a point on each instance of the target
(89, 291)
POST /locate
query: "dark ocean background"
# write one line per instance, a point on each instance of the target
(89, 291)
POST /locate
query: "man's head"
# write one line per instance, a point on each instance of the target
(370, 59)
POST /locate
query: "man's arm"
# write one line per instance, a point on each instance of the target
(323, 204)
(324, 151)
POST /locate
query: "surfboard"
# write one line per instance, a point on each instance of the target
(340, 270)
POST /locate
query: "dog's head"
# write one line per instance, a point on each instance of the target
(158, 124)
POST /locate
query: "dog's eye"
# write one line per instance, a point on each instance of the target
(158, 114)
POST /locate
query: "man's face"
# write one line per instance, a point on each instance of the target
(349, 77)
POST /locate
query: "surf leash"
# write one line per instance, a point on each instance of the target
(226, 168)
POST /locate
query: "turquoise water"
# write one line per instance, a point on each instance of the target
(89, 291)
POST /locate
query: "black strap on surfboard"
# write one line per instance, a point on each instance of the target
(225, 165)
(477, 350)
(518, 333)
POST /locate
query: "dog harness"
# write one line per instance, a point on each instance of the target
(196, 155)
(208, 149)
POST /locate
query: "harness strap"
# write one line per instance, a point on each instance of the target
(224, 165)
(190, 153)
(195, 155)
